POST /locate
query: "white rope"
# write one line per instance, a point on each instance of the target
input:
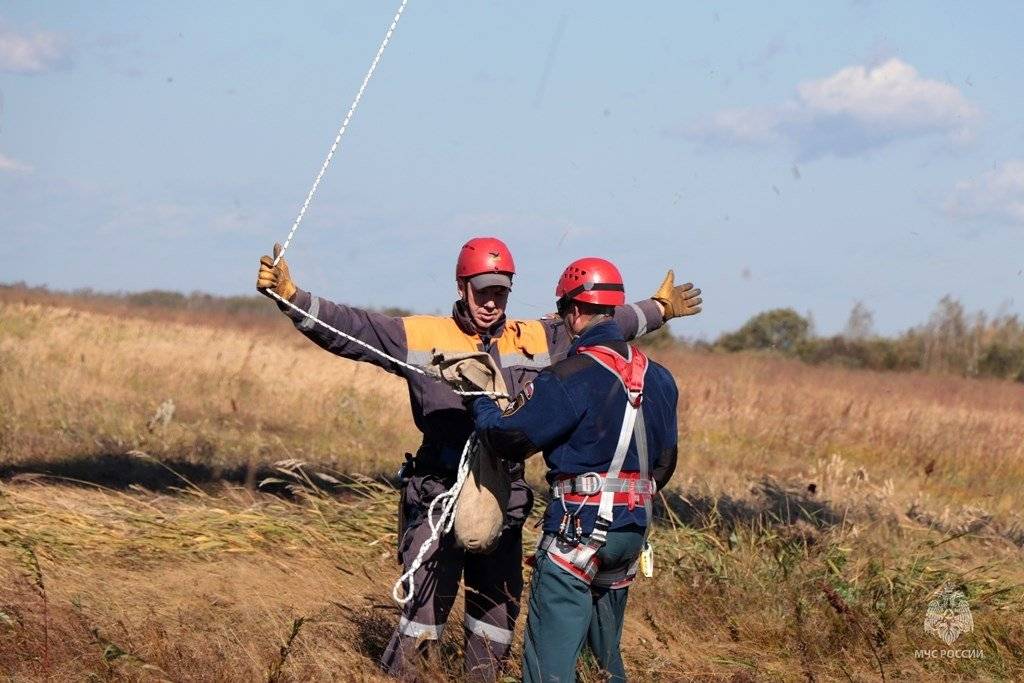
(338, 332)
(449, 499)
(448, 503)
(342, 129)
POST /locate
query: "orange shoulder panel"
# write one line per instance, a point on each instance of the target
(427, 332)
(524, 336)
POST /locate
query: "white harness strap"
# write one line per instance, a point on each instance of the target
(607, 508)
(583, 558)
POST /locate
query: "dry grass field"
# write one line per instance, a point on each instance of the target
(814, 514)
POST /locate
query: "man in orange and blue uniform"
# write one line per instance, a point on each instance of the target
(521, 349)
(605, 420)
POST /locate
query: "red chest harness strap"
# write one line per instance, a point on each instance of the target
(581, 559)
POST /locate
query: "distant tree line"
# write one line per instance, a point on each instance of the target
(952, 341)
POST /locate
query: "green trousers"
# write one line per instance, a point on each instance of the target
(564, 612)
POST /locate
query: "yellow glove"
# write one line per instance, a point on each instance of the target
(677, 301)
(275, 278)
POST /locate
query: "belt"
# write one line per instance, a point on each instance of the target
(424, 464)
(592, 483)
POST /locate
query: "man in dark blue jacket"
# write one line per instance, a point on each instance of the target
(605, 419)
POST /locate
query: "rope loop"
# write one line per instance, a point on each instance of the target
(448, 503)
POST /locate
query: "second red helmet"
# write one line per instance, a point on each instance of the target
(482, 256)
(593, 280)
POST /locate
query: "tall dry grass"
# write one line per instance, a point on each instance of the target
(814, 513)
(942, 439)
(77, 383)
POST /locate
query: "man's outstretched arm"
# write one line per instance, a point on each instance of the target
(670, 301)
(635, 319)
(376, 329)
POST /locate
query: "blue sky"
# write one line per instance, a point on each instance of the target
(778, 154)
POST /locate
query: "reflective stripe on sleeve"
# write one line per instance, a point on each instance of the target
(314, 310)
(641, 320)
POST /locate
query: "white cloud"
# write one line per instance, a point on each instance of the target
(892, 95)
(997, 194)
(853, 110)
(9, 165)
(31, 53)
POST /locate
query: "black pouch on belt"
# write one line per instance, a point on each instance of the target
(405, 473)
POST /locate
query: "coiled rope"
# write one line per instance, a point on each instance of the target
(446, 503)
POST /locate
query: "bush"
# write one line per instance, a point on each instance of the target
(1001, 360)
(952, 341)
(781, 329)
(878, 353)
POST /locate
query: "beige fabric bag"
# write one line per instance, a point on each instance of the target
(480, 515)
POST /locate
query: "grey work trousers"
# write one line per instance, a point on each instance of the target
(494, 586)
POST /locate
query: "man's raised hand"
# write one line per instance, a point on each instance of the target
(275, 278)
(677, 301)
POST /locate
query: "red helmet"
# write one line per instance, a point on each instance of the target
(486, 256)
(592, 280)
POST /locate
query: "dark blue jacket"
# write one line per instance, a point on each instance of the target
(573, 412)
